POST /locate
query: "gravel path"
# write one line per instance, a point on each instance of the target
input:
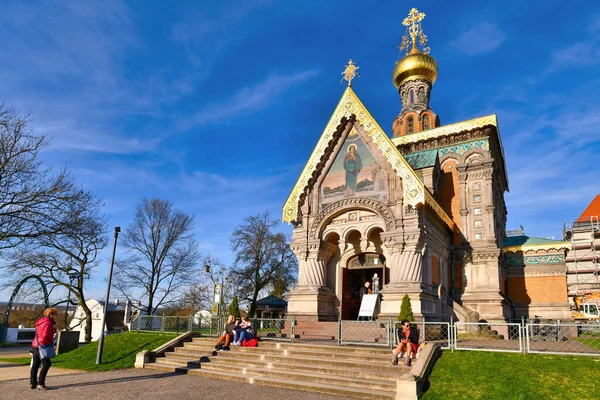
(142, 383)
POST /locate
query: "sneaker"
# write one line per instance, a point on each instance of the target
(42, 387)
(217, 347)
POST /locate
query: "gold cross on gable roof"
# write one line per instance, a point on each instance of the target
(350, 72)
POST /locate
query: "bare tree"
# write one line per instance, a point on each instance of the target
(66, 258)
(162, 254)
(31, 198)
(262, 257)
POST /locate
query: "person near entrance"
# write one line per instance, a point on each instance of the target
(365, 289)
(408, 341)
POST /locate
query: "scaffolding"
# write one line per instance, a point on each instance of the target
(583, 237)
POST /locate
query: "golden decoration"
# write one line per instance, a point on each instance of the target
(414, 191)
(415, 31)
(350, 72)
(415, 64)
(447, 130)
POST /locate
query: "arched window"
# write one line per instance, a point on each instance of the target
(411, 97)
(411, 124)
(426, 122)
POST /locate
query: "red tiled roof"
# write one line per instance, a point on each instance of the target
(593, 210)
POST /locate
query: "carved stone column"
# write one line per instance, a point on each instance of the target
(311, 298)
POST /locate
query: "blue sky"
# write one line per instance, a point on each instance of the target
(216, 106)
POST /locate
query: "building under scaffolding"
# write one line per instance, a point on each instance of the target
(583, 267)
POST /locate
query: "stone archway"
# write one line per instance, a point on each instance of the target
(4, 326)
(358, 270)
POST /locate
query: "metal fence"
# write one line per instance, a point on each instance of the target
(506, 337)
(275, 328)
(564, 338)
(372, 333)
(557, 337)
(264, 328)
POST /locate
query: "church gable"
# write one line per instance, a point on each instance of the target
(413, 190)
(355, 172)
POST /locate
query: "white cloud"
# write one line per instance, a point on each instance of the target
(479, 39)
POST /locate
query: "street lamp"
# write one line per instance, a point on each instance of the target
(112, 262)
(72, 276)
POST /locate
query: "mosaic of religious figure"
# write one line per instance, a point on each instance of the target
(354, 173)
(352, 165)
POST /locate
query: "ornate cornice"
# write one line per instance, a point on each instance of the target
(538, 270)
(364, 203)
(447, 130)
(557, 246)
(414, 191)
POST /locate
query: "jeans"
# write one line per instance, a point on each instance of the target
(35, 365)
(245, 335)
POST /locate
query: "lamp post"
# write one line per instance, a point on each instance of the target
(72, 276)
(112, 262)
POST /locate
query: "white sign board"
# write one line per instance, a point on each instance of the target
(369, 305)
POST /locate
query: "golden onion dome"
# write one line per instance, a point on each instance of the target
(415, 65)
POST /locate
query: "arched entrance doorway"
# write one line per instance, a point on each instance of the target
(359, 269)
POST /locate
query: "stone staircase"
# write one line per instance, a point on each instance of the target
(350, 372)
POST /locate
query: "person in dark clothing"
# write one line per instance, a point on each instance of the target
(44, 335)
(365, 289)
(408, 341)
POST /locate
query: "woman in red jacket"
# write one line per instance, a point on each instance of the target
(44, 335)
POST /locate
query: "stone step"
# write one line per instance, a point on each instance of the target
(392, 374)
(209, 344)
(323, 352)
(346, 392)
(379, 365)
(383, 385)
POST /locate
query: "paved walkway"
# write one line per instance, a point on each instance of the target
(141, 383)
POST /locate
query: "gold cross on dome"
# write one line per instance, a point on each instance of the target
(414, 17)
(350, 72)
(414, 30)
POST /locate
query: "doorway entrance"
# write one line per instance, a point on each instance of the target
(360, 269)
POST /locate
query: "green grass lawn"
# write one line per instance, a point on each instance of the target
(119, 352)
(490, 375)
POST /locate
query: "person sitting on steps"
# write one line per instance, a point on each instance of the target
(227, 334)
(245, 332)
(408, 341)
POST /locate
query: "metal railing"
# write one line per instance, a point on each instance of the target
(275, 328)
(264, 328)
(505, 337)
(372, 333)
(566, 338)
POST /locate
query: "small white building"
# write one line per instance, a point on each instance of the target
(117, 318)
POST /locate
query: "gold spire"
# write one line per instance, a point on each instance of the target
(415, 31)
(350, 72)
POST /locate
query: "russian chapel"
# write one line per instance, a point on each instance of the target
(422, 209)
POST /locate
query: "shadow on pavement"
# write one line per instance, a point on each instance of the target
(117, 380)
